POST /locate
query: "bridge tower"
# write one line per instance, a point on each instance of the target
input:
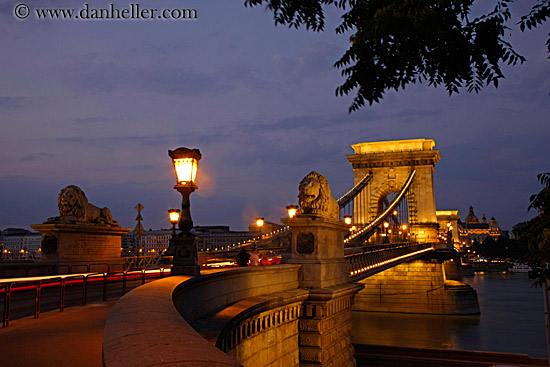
(391, 163)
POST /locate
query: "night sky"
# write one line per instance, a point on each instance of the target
(99, 103)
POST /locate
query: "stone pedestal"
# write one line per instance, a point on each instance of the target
(72, 244)
(184, 251)
(318, 245)
(325, 327)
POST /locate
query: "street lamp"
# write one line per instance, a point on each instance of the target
(386, 225)
(183, 246)
(174, 215)
(292, 210)
(186, 163)
(347, 219)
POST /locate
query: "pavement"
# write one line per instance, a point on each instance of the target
(71, 338)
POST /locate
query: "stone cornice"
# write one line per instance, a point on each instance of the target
(395, 159)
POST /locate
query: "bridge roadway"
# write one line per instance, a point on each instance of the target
(73, 338)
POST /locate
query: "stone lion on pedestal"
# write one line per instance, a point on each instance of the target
(315, 198)
(74, 207)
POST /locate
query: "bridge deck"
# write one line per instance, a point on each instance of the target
(62, 339)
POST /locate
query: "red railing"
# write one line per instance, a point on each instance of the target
(9, 286)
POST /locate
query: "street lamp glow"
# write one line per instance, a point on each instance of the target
(260, 222)
(395, 212)
(404, 226)
(174, 215)
(347, 219)
(386, 224)
(186, 163)
(292, 210)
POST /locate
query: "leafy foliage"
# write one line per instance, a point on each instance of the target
(535, 234)
(538, 15)
(541, 201)
(397, 42)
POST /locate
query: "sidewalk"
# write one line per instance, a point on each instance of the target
(71, 338)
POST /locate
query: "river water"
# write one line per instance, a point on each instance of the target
(511, 321)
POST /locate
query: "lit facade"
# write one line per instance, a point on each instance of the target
(152, 242)
(217, 238)
(20, 245)
(473, 230)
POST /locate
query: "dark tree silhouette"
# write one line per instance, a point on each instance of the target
(397, 42)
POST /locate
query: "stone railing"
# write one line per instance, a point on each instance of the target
(150, 325)
(266, 333)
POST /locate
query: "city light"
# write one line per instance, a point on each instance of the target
(347, 219)
(260, 222)
(186, 163)
(292, 210)
(174, 215)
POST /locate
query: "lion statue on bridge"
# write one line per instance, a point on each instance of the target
(315, 198)
(74, 207)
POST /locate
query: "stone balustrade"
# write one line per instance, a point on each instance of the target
(150, 325)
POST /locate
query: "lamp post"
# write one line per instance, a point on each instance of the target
(183, 245)
(174, 215)
(386, 239)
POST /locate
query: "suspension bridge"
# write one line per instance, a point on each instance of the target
(297, 313)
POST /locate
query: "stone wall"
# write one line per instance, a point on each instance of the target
(201, 296)
(282, 324)
(416, 287)
(267, 339)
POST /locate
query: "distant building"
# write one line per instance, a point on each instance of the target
(210, 238)
(19, 244)
(217, 238)
(151, 242)
(473, 230)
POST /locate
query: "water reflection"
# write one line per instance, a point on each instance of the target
(410, 330)
(511, 320)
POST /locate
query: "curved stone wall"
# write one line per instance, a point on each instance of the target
(146, 327)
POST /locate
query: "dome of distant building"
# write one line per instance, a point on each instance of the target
(471, 229)
(471, 218)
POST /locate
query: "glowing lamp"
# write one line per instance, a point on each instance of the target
(386, 224)
(404, 226)
(448, 224)
(185, 162)
(174, 215)
(292, 210)
(347, 219)
(395, 212)
(260, 222)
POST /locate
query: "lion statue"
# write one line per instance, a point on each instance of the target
(74, 207)
(315, 197)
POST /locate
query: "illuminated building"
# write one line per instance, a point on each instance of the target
(21, 245)
(472, 229)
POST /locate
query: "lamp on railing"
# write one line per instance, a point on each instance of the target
(174, 215)
(347, 219)
(292, 210)
(260, 222)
